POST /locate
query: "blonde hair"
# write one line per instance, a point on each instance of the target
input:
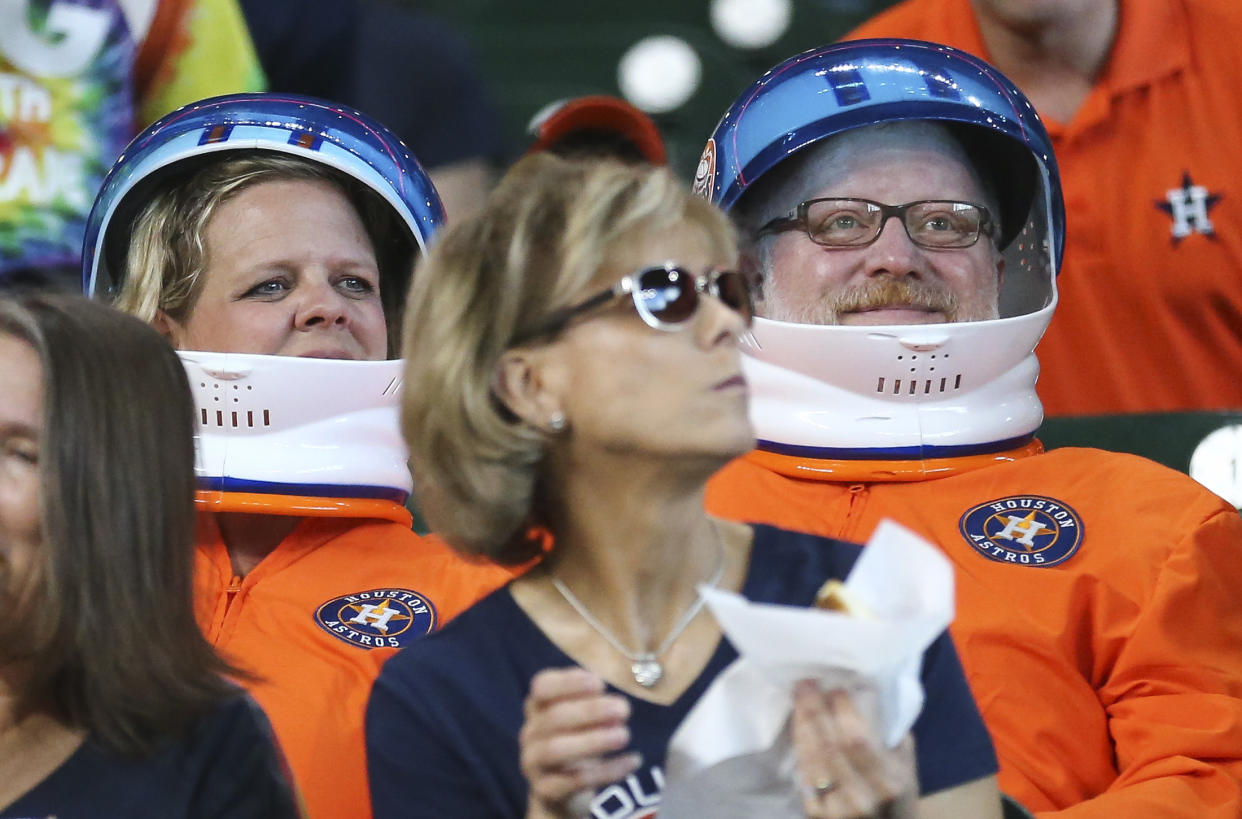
(489, 281)
(166, 252)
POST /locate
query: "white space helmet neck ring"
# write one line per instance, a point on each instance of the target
(894, 392)
(298, 436)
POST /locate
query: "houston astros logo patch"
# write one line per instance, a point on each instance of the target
(705, 173)
(379, 618)
(1027, 530)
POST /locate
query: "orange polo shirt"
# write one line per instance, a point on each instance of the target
(1150, 317)
(1098, 616)
(315, 620)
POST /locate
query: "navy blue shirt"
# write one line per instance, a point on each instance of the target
(226, 767)
(413, 72)
(444, 715)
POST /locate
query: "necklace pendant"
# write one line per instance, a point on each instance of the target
(647, 670)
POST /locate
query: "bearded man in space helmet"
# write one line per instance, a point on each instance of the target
(901, 200)
(271, 239)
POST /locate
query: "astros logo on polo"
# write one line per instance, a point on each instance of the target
(379, 618)
(1026, 530)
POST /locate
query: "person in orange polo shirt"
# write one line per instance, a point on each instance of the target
(1141, 101)
(271, 239)
(902, 201)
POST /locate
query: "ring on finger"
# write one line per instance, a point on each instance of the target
(822, 787)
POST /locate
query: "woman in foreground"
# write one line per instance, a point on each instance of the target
(578, 380)
(111, 702)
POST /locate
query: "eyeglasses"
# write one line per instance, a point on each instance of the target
(930, 223)
(666, 297)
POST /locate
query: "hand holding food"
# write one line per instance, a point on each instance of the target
(846, 771)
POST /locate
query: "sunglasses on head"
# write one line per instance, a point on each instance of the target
(666, 297)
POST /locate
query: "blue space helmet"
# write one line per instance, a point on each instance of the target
(828, 90)
(180, 143)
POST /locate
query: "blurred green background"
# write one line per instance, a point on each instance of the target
(533, 53)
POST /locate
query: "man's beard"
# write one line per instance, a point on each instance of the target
(872, 294)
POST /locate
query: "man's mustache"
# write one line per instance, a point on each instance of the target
(886, 291)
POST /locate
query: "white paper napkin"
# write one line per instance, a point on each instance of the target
(733, 755)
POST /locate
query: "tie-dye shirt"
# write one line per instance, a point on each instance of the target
(77, 79)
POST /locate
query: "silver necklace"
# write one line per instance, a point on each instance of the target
(645, 665)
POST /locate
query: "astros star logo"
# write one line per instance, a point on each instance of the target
(377, 617)
(1189, 206)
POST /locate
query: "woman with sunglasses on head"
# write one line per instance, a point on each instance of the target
(579, 381)
(111, 701)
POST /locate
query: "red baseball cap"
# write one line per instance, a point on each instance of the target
(601, 113)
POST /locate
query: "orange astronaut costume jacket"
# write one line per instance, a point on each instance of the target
(1099, 612)
(315, 620)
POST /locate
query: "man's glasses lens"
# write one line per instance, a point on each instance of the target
(858, 222)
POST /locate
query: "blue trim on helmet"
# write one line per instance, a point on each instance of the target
(317, 490)
(899, 453)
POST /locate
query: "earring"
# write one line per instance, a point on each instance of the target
(556, 422)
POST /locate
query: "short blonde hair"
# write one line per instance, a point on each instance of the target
(166, 252)
(489, 281)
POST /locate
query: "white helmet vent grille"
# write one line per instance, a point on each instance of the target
(915, 386)
(233, 407)
(921, 376)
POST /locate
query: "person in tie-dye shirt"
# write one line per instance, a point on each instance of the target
(78, 78)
